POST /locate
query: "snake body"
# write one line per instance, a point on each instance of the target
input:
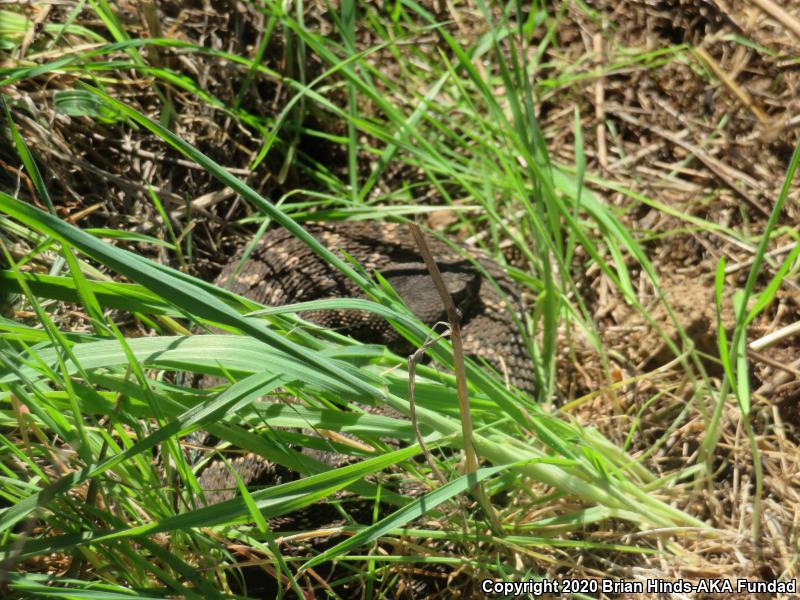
(283, 270)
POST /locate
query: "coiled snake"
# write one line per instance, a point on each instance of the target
(283, 270)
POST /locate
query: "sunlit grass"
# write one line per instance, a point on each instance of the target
(96, 422)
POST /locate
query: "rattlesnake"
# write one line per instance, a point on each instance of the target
(282, 270)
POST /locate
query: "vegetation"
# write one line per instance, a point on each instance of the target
(136, 150)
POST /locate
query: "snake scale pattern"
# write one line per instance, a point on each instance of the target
(283, 270)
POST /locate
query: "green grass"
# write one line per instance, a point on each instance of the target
(103, 476)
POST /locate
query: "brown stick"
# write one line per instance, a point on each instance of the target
(738, 91)
(413, 361)
(777, 13)
(454, 318)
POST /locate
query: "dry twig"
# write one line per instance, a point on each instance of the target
(413, 361)
(454, 318)
(780, 15)
(738, 91)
